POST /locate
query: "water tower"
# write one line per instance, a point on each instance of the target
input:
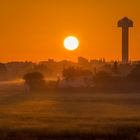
(125, 23)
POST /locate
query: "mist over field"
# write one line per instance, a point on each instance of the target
(51, 113)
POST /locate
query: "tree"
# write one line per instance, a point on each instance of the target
(102, 78)
(3, 71)
(135, 73)
(35, 80)
(73, 72)
(115, 67)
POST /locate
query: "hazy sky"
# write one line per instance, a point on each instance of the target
(35, 29)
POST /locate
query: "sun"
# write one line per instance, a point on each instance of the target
(71, 43)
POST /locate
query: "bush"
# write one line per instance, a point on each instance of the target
(34, 80)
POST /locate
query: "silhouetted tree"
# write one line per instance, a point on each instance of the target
(3, 71)
(72, 72)
(35, 80)
(135, 74)
(102, 78)
(115, 67)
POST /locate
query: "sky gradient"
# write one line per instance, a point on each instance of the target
(34, 30)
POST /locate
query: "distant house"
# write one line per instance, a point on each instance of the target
(79, 81)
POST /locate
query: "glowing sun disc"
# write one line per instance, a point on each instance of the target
(71, 43)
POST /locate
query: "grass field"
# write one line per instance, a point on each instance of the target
(68, 115)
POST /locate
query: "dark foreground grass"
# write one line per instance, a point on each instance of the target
(117, 133)
(70, 116)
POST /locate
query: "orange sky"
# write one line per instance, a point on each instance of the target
(34, 30)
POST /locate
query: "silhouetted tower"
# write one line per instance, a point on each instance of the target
(125, 23)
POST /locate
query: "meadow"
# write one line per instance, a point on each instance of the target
(52, 115)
